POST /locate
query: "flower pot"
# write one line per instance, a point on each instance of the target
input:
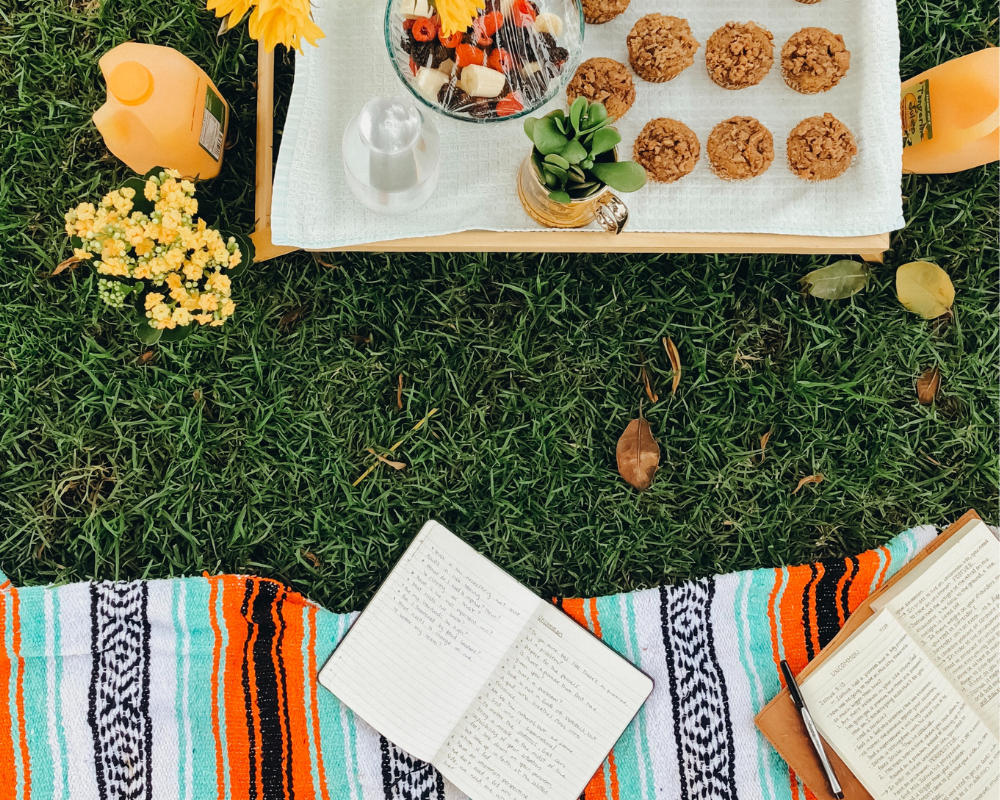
(605, 207)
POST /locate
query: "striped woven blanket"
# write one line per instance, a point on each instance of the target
(204, 688)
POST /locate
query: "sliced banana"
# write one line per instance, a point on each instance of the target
(480, 81)
(407, 8)
(447, 67)
(549, 23)
(422, 8)
(531, 68)
(429, 82)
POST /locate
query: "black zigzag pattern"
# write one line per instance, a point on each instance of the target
(119, 690)
(702, 726)
(407, 778)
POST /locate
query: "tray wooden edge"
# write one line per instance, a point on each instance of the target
(870, 248)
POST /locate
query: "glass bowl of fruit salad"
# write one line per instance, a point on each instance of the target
(513, 57)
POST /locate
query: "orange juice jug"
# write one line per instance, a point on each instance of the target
(162, 111)
(951, 115)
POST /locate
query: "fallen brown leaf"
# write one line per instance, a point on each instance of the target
(675, 362)
(319, 260)
(397, 465)
(395, 447)
(145, 358)
(638, 454)
(312, 558)
(808, 479)
(360, 341)
(69, 263)
(653, 396)
(763, 442)
(399, 392)
(292, 318)
(928, 385)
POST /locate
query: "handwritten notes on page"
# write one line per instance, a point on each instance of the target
(547, 717)
(951, 613)
(898, 723)
(458, 664)
(416, 658)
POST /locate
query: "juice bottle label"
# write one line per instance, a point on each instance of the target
(915, 110)
(213, 125)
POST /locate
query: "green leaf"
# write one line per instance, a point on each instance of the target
(558, 160)
(925, 289)
(551, 180)
(547, 137)
(529, 126)
(556, 114)
(139, 202)
(837, 281)
(587, 163)
(574, 152)
(178, 334)
(148, 335)
(556, 170)
(597, 117)
(577, 175)
(605, 139)
(247, 254)
(576, 111)
(560, 197)
(561, 124)
(625, 176)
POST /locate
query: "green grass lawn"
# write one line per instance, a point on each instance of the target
(236, 449)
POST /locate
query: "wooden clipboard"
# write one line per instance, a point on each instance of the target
(780, 722)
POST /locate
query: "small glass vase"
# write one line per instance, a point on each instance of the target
(604, 207)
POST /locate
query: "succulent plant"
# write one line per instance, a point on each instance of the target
(575, 154)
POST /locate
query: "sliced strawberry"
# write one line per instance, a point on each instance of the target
(509, 105)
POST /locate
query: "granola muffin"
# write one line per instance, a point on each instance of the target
(667, 150)
(739, 55)
(598, 11)
(660, 47)
(814, 60)
(740, 148)
(820, 148)
(603, 80)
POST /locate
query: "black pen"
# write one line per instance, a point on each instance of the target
(800, 704)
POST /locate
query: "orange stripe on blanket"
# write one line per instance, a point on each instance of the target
(321, 769)
(574, 608)
(793, 629)
(7, 787)
(298, 714)
(19, 696)
(868, 565)
(213, 598)
(237, 742)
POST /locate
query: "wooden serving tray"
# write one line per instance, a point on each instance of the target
(870, 248)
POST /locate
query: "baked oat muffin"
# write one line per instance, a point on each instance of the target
(740, 148)
(667, 150)
(814, 60)
(739, 55)
(820, 148)
(660, 47)
(598, 11)
(603, 80)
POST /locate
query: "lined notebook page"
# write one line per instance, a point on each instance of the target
(547, 717)
(951, 612)
(898, 723)
(432, 635)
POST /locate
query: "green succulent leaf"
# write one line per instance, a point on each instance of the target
(556, 170)
(529, 126)
(558, 160)
(605, 139)
(561, 125)
(551, 180)
(547, 137)
(597, 117)
(178, 334)
(247, 254)
(147, 334)
(625, 176)
(574, 152)
(557, 113)
(560, 197)
(587, 163)
(576, 111)
(577, 175)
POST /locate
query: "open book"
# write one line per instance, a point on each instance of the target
(458, 664)
(911, 701)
